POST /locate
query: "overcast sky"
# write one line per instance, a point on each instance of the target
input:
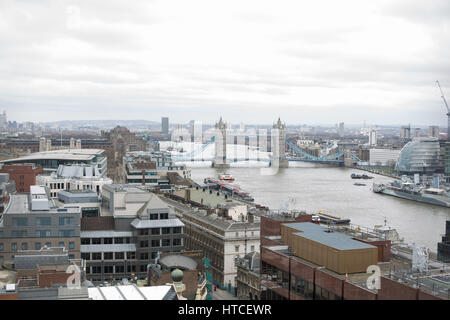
(250, 61)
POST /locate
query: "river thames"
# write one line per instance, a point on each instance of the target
(330, 189)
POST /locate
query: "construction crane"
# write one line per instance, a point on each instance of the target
(448, 110)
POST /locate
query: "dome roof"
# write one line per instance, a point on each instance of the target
(177, 275)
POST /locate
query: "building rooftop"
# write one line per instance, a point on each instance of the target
(317, 233)
(131, 292)
(163, 223)
(77, 196)
(20, 204)
(123, 188)
(73, 154)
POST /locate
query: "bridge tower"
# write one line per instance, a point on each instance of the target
(220, 157)
(278, 145)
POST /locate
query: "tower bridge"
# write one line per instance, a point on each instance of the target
(278, 155)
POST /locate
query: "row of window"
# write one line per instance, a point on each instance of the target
(159, 243)
(131, 255)
(42, 233)
(37, 245)
(114, 269)
(118, 240)
(43, 221)
(158, 231)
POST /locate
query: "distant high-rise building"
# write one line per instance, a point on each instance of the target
(341, 129)
(165, 125)
(416, 132)
(405, 132)
(372, 137)
(433, 131)
(3, 120)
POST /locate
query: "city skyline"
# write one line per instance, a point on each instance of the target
(321, 62)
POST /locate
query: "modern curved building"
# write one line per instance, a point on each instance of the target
(422, 155)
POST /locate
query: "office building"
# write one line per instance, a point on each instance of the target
(51, 160)
(422, 155)
(383, 157)
(165, 125)
(248, 277)
(74, 177)
(32, 221)
(24, 175)
(133, 227)
(433, 131)
(152, 169)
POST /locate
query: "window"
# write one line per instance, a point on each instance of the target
(71, 245)
(48, 244)
(37, 245)
(252, 248)
(131, 268)
(85, 240)
(143, 232)
(156, 231)
(66, 233)
(131, 255)
(108, 255)
(71, 256)
(44, 221)
(119, 255)
(43, 233)
(144, 244)
(66, 221)
(118, 240)
(120, 269)
(164, 216)
(177, 230)
(107, 240)
(1, 246)
(96, 256)
(177, 242)
(85, 256)
(127, 240)
(20, 222)
(96, 241)
(142, 267)
(97, 269)
(165, 230)
(24, 246)
(166, 242)
(153, 216)
(143, 256)
(19, 233)
(155, 243)
(236, 248)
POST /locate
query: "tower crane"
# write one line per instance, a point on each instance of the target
(448, 110)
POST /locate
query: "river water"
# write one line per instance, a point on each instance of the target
(330, 189)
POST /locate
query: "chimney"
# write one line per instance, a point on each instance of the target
(187, 195)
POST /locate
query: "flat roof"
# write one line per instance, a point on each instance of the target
(73, 154)
(317, 233)
(129, 292)
(19, 204)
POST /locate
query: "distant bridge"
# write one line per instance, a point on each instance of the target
(301, 155)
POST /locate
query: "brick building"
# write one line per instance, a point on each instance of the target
(24, 175)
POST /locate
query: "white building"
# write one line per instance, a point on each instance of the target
(372, 137)
(383, 156)
(74, 177)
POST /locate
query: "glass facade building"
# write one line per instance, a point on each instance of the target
(422, 155)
